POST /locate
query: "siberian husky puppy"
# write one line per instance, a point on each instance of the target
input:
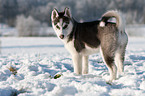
(84, 39)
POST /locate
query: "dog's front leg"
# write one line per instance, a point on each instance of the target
(77, 62)
(85, 64)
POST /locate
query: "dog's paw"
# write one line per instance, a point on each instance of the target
(85, 72)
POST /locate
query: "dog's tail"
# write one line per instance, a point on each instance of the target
(120, 21)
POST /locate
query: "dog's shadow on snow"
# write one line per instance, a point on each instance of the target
(96, 65)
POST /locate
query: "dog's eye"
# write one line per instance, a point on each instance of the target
(57, 27)
(56, 21)
(65, 27)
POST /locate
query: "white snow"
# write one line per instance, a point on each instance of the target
(38, 60)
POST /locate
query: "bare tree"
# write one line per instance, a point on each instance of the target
(27, 26)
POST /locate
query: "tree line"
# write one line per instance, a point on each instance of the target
(82, 10)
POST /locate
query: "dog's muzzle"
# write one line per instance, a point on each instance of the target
(61, 36)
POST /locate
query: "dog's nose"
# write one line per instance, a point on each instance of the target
(61, 36)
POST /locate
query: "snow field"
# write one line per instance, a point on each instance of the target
(38, 60)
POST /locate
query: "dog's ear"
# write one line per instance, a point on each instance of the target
(67, 12)
(54, 14)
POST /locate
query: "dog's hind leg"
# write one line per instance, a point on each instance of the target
(119, 60)
(109, 60)
(77, 62)
(85, 64)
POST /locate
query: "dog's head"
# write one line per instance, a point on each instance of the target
(62, 23)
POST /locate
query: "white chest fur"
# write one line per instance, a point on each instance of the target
(70, 47)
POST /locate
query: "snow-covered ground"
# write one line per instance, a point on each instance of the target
(35, 61)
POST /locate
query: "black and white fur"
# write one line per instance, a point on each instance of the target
(84, 39)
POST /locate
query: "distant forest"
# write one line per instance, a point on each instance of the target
(82, 10)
